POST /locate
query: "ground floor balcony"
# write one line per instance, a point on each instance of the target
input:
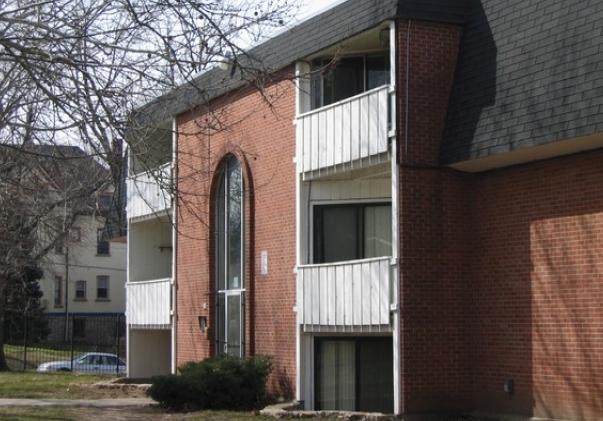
(344, 296)
(149, 304)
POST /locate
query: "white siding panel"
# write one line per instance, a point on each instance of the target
(350, 190)
(345, 294)
(350, 132)
(366, 126)
(149, 303)
(149, 193)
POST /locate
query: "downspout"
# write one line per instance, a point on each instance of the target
(406, 94)
(395, 263)
(399, 396)
(173, 185)
(299, 383)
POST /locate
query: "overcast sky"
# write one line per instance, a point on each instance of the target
(313, 6)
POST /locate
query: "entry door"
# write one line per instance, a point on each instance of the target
(233, 324)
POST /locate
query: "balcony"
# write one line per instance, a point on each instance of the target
(349, 134)
(336, 296)
(149, 304)
(149, 193)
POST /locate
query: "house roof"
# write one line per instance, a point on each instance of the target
(529, 74)
(69, 167)
(315, 34)
(73, 173)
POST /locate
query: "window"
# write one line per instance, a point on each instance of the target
(354, 374)
(102, 246)
(104, 203)
(80, 290)
(230, 280)
(75, 234)
(59, 247)
(352, 231)
(347, 77)
(102, 287)
(58, 291)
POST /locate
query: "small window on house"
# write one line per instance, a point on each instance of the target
(102, 287)
(59, 247)
(79, 327)
(80, 290)
(75, 235)
(104, 203)
(58, 291)
(352, 231)
(102, 246)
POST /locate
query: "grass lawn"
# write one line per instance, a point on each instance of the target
(80, 386)
(52, 386)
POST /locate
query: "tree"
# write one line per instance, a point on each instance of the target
(24, 319)
(19, 266)
(73, 72)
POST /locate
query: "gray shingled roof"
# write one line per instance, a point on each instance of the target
(530, 72)
(320, 32)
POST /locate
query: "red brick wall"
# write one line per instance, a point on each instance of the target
(434, 219)
(538, 288)
(259, 130)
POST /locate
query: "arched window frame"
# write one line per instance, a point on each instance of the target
(230, 259)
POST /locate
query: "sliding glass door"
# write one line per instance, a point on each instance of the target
(354, 374)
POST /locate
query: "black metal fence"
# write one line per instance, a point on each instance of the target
(65, 337)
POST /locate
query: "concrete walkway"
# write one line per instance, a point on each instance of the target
(90, 403)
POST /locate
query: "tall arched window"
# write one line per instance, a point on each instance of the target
(230, 282)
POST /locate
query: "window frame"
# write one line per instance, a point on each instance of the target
(226, 288)
(317, 240)
(103, 247)
(100, 278)
(104, 202)
(75, 235)
(78, 290)
(325, 70)
(58, 292)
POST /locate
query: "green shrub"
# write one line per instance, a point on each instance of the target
(222, 382)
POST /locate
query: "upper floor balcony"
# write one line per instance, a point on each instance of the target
(345, 135)
(150, 193)
(344, 295)
(149, 303)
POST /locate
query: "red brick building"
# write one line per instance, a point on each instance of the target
(408, 214)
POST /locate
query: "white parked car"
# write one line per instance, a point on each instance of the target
(91, 363)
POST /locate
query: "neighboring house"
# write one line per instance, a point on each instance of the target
(425, 237)
(84, 274)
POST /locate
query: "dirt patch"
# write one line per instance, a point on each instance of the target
(119, 389)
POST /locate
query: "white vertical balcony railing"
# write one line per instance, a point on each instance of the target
(149, 303)
(344, 294)
(149, 193)
(351, 131)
